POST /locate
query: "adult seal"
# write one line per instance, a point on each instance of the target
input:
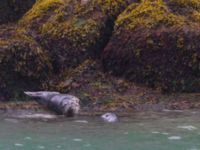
(110, 117)
(62, 104)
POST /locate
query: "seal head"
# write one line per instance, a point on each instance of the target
(70, 106)
(109, 117)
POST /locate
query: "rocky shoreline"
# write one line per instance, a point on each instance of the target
(118, 55)
(100, 92)
(122, 110)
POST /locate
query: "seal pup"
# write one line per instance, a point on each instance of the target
(62, 104)
(109, 117)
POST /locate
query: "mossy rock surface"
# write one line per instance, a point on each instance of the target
(156, 42)
(23, 63)
(72, 30)
(12, 10)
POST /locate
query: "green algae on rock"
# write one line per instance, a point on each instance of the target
(23, 63)
(72, 30)
(154, 43)
(12, 10)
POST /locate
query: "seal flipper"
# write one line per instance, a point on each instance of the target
(42, 96)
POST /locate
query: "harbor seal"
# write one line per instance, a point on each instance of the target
(109, 117)
(62, 104)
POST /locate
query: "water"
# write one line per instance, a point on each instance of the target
(142, 131)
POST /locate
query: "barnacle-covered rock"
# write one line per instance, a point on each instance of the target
(23, 63)
(156, 42)
(72, 30)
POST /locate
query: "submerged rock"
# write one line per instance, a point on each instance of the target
(157, 43)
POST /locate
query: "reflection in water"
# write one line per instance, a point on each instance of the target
(176, 130)
(174, 138)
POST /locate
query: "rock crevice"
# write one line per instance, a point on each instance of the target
(13, 10)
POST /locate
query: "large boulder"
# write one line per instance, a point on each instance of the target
(23, 63)
(72, 30)
(12, 10)
(157, 43)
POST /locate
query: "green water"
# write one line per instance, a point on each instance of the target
(141, 131)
